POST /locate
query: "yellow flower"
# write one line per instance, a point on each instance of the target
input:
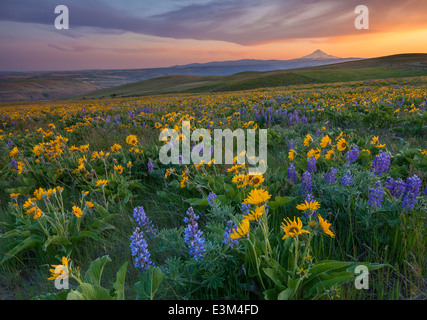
(129, 165)
(14, 195)
(38, 214)
(291, 155)
(307, 140)
(325, 227)
(90, 204)
(101, 183)
(255, 215)
(14, 152)
(342, 144)
(292, 228)
(380, 146)
(132, 140)
(257, 196)
(115, 147)
(302, 273)
(63, 267)
(374, 140)
(313, 153)
(241, 231)
(77, 211)
(325, 141)
(329, 154)
(254, 179)
(239, 180)
(312, 205)
(119, 169)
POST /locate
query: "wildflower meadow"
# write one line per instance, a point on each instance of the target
(88, 210)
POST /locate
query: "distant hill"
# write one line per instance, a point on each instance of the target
(19, 86)
(395, 66)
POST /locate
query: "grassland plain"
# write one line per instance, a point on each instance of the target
(82, 186)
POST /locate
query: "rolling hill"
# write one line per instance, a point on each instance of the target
(395, 66)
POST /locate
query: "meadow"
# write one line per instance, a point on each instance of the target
(81, 186)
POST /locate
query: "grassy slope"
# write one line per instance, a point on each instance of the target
(396, 66)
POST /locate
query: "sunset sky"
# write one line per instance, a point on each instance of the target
(108, 34)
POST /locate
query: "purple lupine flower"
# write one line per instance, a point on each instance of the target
(291, 144)
(412, 189)
(311, 164)
(376, 195)
(228, 231)
(330, 176)
(347, 180)
(14, 164)
(381, 163)
(211, 198)
(139, 250)
(307, 184)
(352, 155)
(193, 236)
(292, 174)
(396, 187)
(10, 143)
(245, 208)
(150, 165)
(141, 218)
(425, 191)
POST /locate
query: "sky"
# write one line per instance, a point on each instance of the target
(129, 34)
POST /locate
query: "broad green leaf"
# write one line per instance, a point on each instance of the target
(119, 284)
(29, 242)
(148, 283)
(88, 291)
(94, 273)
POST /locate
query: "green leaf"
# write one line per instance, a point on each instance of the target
(197, 201)
(119, 284)
(94, 273)
(29, 242)
(286, 294)
(56, 239)
(148, 283)
(279, 201)
(88, 291)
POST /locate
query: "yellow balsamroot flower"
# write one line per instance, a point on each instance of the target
(77, 211)
(257, 196)
(240, 180)
(14, 152)
(119, 168)
(101, 183)
(302, 273)
(329, 154)
(90, 204)
(374, 140)
(380, 146)
(291, 155)
(255, 215)
(307, 140)
(312, 205)
(342, 144)
(129, 165)
(15, 195)
(313, 153)
(61, 274)
(292, 228)
(115, 147)
(132, 140)
(424, 152)
(254, 179)
(38, 214)
(241, 231)
(324, 224)
(325, 141)
(169, 172)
